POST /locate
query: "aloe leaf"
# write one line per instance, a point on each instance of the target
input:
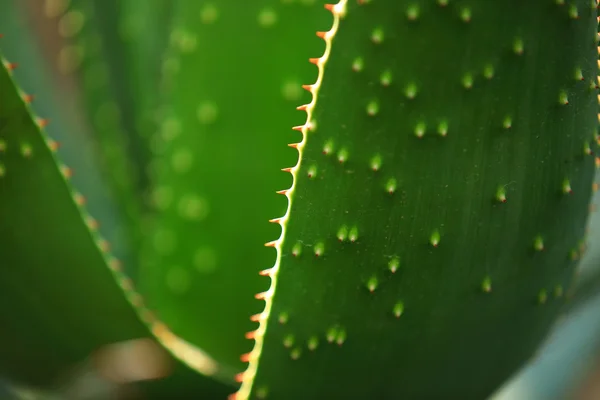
(438, 209)
(233, 76)
(59, 297)
(57, 294)
(117, 69)
(41, 75)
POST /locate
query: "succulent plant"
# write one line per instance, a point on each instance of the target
(438, 179)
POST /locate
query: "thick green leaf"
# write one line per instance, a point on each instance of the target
(58, 299)
(114, 49)
(32, 39)
(234, 77)
(440, 203)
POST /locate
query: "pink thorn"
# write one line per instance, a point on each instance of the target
(255, 318)
(260, 296)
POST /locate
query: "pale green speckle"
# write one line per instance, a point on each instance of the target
(488, 71)
(563, 98)
(420, 129)
(170, 129)
(398, 309)
(372, 284)
(390, 185)
(283, 318)
(465, 14)
(501, 194)
(331, 334)
(342, 156)
(434, 239)
(193, 207)
(319, 249)
(558, 291)
(162, 197)
(377, 36)
(262, 392)
(328, 147)
(26, 150)
(182, 160)
(267, 17)
(518, 46)
(375, 163)
(71, 23)
(573, 11)
(410, 91)
(486, 285)
(372, 108)
(385, 78)
(467, 81)
(291, 90)
(394, 264)
(297, 249)
(566, 187)
(442, 128)
(177, 280)
(353, 234)
(358, 64)
(341, 337)
(207, 112)
(295, 353)
(209, 13)
(164, 241)
(342, 233)
(205, 260)
(538, 243)
(288, 340)
(412, 12)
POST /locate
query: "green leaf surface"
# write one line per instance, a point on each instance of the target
(32, 40)
(440, 204)
(114, 48)
(233, 79)
(58, 299)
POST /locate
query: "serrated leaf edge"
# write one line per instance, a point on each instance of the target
(247, 377)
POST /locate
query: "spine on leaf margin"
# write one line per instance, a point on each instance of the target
(246, 378)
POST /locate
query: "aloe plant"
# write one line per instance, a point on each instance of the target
(421, 240)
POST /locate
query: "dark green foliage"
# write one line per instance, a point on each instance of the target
(229, 109)
(58, 300)
(476, 117)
